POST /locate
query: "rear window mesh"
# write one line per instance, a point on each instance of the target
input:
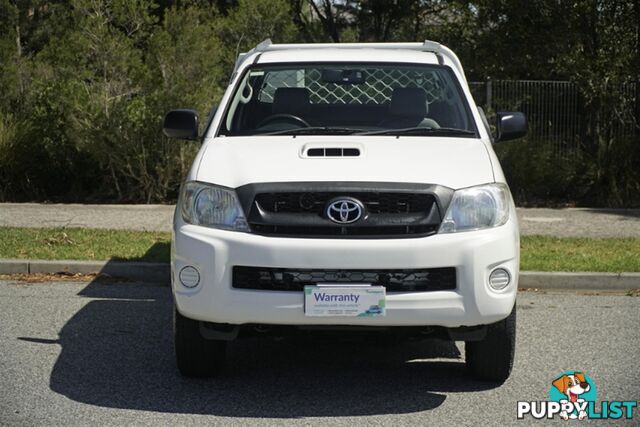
(377, 88)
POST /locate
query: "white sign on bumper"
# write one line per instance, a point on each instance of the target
(347, 301)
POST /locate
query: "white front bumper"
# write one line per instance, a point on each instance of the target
(474, 255)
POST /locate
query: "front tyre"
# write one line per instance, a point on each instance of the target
(491, 359)
(195, 355)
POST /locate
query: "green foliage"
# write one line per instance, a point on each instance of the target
(10, 138)
(82, 113)
(539, 177)
(84, 84)
(253, 21)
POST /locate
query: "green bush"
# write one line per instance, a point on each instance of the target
(84, 84)
(538, 176)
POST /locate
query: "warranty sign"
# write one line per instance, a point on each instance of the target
(341, 300)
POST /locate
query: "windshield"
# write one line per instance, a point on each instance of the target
(343, 99)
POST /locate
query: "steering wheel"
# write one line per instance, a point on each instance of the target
(284, 117)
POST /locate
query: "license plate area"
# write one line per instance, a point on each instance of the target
(340, 300)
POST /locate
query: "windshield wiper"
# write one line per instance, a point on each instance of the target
(421, 131)
(314, 130)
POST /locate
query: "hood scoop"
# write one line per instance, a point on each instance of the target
(332, 152)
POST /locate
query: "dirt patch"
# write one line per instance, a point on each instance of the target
(59, 277)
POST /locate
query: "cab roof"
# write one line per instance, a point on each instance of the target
(363, 54)
(427, 52)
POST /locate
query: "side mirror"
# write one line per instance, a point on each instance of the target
(181, 124)
(510, 125)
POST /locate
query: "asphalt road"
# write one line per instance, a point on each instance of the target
(568, 222)
(101, 354)
(116, 217)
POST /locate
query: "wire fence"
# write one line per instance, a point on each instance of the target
(556, 111)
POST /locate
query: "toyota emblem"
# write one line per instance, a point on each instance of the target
(344, 210)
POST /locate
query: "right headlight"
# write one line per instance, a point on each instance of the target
(475, 208)
(212, 206)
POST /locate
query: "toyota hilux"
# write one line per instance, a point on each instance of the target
(346, 187)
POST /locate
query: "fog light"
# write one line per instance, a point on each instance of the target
(189, 277)
(499, 279)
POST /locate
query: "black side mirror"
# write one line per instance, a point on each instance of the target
(181, 124)
(510, 125)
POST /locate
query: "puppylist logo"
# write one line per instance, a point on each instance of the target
(573, 396)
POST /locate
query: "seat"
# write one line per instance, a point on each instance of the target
(408, 108)
(291, 100)
(444, 113)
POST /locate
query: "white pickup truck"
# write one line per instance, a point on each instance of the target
(346, 187)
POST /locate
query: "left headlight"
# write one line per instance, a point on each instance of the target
(212, 206)
(475, 208)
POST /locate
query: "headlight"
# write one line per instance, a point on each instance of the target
(475, 208)
(212, 206)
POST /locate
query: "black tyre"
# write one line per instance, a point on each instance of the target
(195, 355)
(492, 358)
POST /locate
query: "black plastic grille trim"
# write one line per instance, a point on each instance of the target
(375, 203)
(297, 209)
(333, 152)
(292, 230)
(397, 280)
(302, 214)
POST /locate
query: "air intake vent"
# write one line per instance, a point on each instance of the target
(333, 152)
(289, 279)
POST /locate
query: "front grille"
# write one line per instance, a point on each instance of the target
(375, 203)
(399, 280)
(303, 213)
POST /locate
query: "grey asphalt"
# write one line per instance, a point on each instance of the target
(116, 217)
(580, 222)
(98, 353)
(568, 222)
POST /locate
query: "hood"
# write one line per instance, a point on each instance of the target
(451, 162)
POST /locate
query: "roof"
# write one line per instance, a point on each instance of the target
(363, 54)
(428, 52)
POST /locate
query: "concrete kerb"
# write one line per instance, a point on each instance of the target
(582, 280)
(160, 272)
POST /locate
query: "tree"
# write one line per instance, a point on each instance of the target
(85, 83)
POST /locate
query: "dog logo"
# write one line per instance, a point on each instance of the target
(572, 386)
(572, 396)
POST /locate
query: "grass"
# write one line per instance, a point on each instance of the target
(539, 253)
(83, 244)
(614, 255)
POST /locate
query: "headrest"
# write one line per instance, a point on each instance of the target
(290, 100)
(409, 102)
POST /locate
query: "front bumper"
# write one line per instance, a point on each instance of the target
(474, 255)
